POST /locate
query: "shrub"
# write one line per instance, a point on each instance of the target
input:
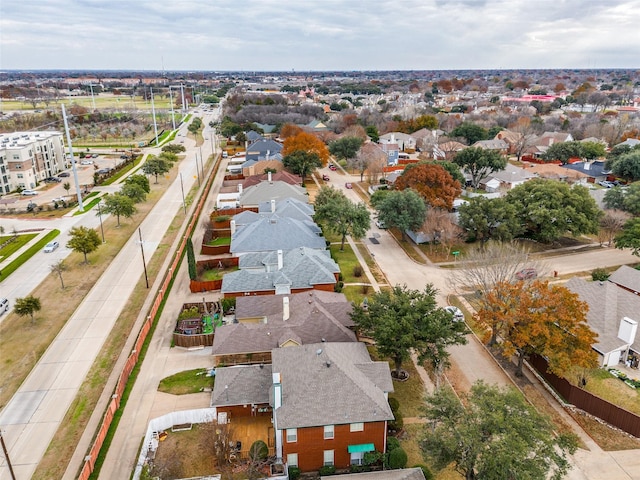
(228, 303)
(294, 473)
(221, 218)
(394, 404)
(358, 468)
(599, 275)
(358, 271)
(339, 286)
(192, 312)
(425, 470)
(372, 458)
(191, 260)
(258, 450)
(397, 458)
(364, 289)
(327, 470)
(398, 423)
(392, 443)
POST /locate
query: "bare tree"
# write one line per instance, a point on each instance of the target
(487, 265)
(368, 155)
(217, 440)
(611, 224)
(58, 268)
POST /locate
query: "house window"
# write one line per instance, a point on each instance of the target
(328, 432)
(356, 458)
(292, 459)
(20, 175)
(328, 458)
(292, 435)
(356, 427)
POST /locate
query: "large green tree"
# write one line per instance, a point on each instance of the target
(470, 132)
(27, 306)
(627, 166)
(479, 163)
(593, 150)
(483, 219)
(134, 191)
(340, 215)
(138, 179)
(83, 240)
(402, 209)
(549, 209)
(564, 151)
(345, 148)
(119, 205)
(302, 163)
(494, 434)
(630, 236)
(156, 166)
(402, 320)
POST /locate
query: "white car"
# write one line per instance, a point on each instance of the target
(86, 162)
(380, 224)
(29, 193)
(51, 246)
(58, 199)
(458, 316)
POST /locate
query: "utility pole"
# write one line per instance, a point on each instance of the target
(173, 116)
(73, 161)
(144, 263)
(6, 456)
(153, 111)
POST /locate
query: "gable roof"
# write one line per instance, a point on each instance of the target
(330, 384)
(552, 171)
(608, 304)
(245, 385)
(592, 169)
(288, 207)
(632, 142)
(627, 278)
(274, 232)
(263, 148)
(252, 136)
(275, 190)
(491, 144)
(512, 174)
(303, 268)
(314, 315)
(281, 176)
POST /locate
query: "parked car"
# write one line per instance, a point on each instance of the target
(86, 162)
(4, 305)
(95, 155)
(51, 246)
(64, 174)
(332, 167)
(348, 185)
(380, 224)
(29, 193)
(457, 314)
(58, 199)
(325, 177)
(606, 184)
(52, 180)
(527, 274)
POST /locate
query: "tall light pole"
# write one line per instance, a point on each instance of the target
(184, 204)
(153, 111)
(93, 100)
(100, 216)
(6, 456)
(144, 263)
(73, 161)
(173, 116)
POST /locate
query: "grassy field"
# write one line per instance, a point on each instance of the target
(189, 381)
(347, 261)
(122, 102)
(12, 247)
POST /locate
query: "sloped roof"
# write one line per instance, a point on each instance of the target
(592, 169)
(313, 316)
(252, 136)
(288, 207)
(274, 232)
(276, 190)
(508, 136)
(399, 474)
(626, 277)
(491, 144)
(303, 268)
(246, 384)
(632, 142)
(608, 304)
(281, 176)
(513, 174)
(264, 145)
(326, 384)
(552, 171)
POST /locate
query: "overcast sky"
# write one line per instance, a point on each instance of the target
(287, 35)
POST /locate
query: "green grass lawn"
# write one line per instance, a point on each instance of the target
(601, 383)
(216, 273)
(15, 245)
(189, 381)
(219, 241)
(347, 260)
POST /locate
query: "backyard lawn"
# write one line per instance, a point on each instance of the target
(189, 381)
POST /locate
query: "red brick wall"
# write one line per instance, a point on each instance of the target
(311, 444)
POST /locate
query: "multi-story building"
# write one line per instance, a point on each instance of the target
(27, 158)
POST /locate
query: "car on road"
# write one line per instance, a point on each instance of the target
(64, 174)
(52, 180)
(380, 224)
(95, 155)
(527, 274)
(86, 162)
(325, 177)
(332, 167)
(29, 193)
(58, 199)
(606, 184)
(4, 305)
(348, 185)
(457, 314)
(50, 247)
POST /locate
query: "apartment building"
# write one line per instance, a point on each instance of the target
(27, 158)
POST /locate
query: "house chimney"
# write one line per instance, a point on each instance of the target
(280, 260)
(273, 205)
(285, 308)
(240, 188)
(232, 226)
(269, 177)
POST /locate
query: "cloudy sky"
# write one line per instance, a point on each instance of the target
(301, 35)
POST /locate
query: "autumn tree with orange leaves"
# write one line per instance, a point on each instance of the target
(306, 142)
(538, 318)
(432, 182)
(289, 130)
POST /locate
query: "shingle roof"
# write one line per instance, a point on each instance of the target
(592, 169)
(608, 304)
(254, 195)
(491, 144)
(274, 232)
(626, 277)
(307, 323)
(246, 384)
(326, 384)
(512, 174)
(303, 268)
(288, 207)
(281, 176)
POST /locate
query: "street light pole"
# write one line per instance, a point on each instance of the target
(100, 216)
(6, 456)
(144, 263)
(184, 204)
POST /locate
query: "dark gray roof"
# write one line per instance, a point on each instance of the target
(303, 268)
(593, 169)
(246, 384)
(399, 474)
(274, 232)
(326, 384)
(288, 207)
(626, 277)
(252, 136)
(276, 190)
(263, 148)
(313, 316)
(608, 304)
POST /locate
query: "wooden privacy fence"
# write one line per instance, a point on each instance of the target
(592, 404)
(132, 360)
